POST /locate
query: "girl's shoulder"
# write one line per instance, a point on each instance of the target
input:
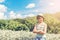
(45, 24)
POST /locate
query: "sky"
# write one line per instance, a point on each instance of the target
(11, 9)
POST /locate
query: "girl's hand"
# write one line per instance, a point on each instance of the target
(39, 30)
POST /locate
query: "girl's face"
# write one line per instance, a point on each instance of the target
(40, 19)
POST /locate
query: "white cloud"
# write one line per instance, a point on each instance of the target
(5, 17)
(2, 1)
(3, 8)
(31, 5)
(18, 15)
(32, 10)
(50, 6)
(12, 15)
(29, 15)
(2, 16)
(54, 6)
(35, 10)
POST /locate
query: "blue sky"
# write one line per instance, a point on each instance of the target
(17, 5)
(24, 8)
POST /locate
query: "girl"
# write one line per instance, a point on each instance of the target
(40, 28)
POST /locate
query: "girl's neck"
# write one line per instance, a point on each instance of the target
(40, 22)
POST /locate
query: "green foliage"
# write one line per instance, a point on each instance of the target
(27, 24)
(30, 22)
(52, 23)
(22, 27)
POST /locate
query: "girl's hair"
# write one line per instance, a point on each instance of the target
(38, 16)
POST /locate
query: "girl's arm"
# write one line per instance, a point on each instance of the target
(35, 30)
(44, 31)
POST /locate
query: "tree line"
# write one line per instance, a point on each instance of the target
(27, 24)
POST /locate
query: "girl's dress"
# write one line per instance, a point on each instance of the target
(40, 27)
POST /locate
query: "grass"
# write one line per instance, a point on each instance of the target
(22, 35)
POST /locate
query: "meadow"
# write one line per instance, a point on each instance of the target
(23, 35)
(11, 29)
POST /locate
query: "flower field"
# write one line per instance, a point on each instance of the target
(23, 35)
